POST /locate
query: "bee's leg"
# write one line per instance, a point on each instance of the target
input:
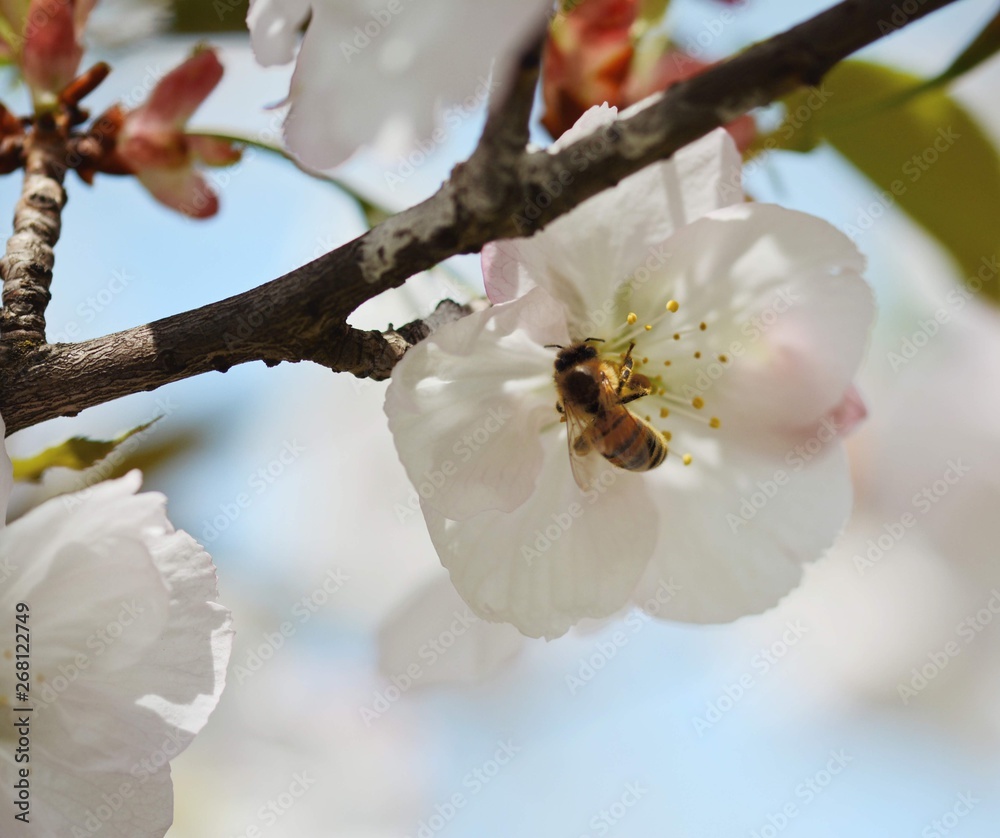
(631, 397)
(626, 371)
(561, 411)
(636, 387)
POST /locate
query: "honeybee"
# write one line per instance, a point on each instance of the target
(592, 398)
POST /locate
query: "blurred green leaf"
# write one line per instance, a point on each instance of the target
(77, 453)
(984, 46)
(652, 12)
(210, 15)
(925, 153)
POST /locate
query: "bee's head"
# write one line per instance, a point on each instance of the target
(570, 356)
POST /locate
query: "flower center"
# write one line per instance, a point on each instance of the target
(680, 380)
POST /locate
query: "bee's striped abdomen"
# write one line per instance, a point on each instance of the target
(631, 444)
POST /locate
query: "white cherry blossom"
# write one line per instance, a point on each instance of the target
(750, 321)
(370, 70)
(128, 652)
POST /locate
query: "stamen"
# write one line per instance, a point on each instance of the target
(697, 402)
(687, 459)
(703, 325)
(666, 363)
(648, 327)
(697, 354)
(664, 412)
(714, 422)
(673, 305)
(724, 358)
(632, 318)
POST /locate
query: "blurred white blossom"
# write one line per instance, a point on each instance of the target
(128, 654)
(367, 70)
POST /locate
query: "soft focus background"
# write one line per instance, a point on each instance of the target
(864, 705)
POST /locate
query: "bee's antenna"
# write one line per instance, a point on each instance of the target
(553, 346)
(595, 340)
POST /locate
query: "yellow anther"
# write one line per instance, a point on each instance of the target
(723, 358)
(648, 327)
(714, 422)
(673, 305)
(703, 325)
(668, 436)
(666, 363)
(645, 360)
(687, 459)
(697, 402)
(632, 317)
(677, 335)
(664, 413)
(697, 354)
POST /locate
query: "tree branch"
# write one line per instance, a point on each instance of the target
(302, 315)
(27, 266)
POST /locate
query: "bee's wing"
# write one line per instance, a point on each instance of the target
(584, 462)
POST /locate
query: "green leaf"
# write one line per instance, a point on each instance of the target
(210, 15)
(985, 45)
(925, 153)
(77, 453)
(651, 12)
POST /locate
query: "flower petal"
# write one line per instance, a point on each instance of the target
(274, 27)
(66, 802)
(177, 96)
(738, 525)
(181, 188)
(581, 258)
(560, 557)
(212, 151)
(52, 48)
(434, 629)
(781, 293)
(466, 406)
(353, 54)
